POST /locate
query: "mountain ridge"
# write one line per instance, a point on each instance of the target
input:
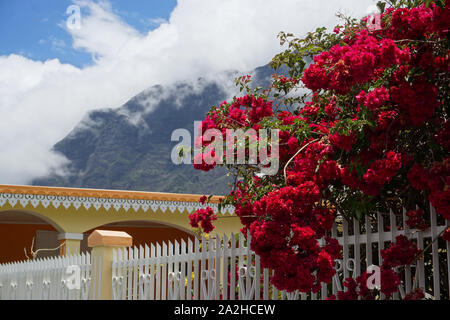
(129, 147)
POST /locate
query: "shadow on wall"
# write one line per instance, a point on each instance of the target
(14, 238)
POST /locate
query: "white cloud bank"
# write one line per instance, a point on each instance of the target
(40, 102)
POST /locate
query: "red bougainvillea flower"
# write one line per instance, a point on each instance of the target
(417, 294)
(400, 253)
(446, 235)
(203, 218)
(389, 281)
(415, 219)
(203, 199)
(344, 142)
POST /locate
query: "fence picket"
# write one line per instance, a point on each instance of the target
(357, 248)
(189, 270)
(233, 267)
(447, 224)
(226, 253)
(408, 268)
(266, 284)
(158, 272)
(393, 230)
(216, 261)
(196, 268)
(203, 255)
(435, 254)
(164, 272)
(274, 291)
(124, 274)
(420, 263)
(141, 275)
(183, 270)
(345, 247)
(153, 278)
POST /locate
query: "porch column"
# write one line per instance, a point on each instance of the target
(103, 242)
(72, 243)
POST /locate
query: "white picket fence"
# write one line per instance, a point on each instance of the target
(362, 247)
(226, 268)
(45, 279)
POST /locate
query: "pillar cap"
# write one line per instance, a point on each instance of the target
(108, 238)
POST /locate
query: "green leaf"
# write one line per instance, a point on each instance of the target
(381, 5)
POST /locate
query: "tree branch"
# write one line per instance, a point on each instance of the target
(290, 160)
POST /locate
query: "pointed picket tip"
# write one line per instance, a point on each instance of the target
(225, 241)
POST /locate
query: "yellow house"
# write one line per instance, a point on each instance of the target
(61, 219)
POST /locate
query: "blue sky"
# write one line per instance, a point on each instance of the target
(32, 27)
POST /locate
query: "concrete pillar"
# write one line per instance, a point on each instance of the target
(102, 243)
(72, 243)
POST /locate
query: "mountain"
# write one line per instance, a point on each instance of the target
(129, 147)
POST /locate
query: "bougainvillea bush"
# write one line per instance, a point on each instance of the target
(363, 120)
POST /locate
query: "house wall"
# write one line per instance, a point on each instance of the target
(72, 220)
(15, 237)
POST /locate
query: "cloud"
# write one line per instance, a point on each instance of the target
(153, 22)
(41, 102)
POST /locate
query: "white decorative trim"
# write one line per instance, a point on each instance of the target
(107, 203)
(70, 236)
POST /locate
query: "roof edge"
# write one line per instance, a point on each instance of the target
(104, 193)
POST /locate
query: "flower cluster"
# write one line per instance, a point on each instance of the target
(417, 101)
(381, 172)
(400, 253)
(446, 235)
(344, 142)
(203, 218)
(342, 67)
(416, 22)
(417, 294)
(415, 219)
(297, 222)
(374, 99)
(355, 288)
